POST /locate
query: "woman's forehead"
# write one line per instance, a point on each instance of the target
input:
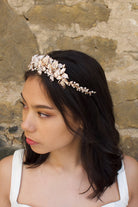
(34, 91)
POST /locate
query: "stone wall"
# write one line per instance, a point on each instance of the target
(104, 29)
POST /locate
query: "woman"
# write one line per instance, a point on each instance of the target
(72, 156)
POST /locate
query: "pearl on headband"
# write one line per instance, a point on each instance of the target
(53, 69)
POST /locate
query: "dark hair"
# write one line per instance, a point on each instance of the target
(100, 152)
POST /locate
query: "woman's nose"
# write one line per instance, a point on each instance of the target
(28, 123)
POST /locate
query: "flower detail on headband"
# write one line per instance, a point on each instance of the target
(53, 69)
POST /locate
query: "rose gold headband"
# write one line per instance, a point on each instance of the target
(53, 69)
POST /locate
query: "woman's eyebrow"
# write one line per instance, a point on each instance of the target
(39, 105)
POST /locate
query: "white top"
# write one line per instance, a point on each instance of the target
(16, 180)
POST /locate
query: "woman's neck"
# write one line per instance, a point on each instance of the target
(67, 158)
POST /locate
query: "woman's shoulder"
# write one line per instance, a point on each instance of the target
(6, 163)
(5, 178)
(131, 166)
(6, 166)
(131, 170)
(5, 169)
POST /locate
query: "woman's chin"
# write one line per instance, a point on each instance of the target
(38, 150)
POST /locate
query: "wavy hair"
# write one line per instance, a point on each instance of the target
(100, 153)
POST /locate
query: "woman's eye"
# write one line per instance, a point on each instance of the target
(23, 104)
(43, 115)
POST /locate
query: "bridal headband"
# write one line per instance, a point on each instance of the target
(55, 70)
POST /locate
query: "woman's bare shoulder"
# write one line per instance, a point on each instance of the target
(5, 180)
(5, 169)
(131, 165)
(6, 163)
(131, 169)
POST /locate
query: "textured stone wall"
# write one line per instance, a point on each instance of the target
(105, 29)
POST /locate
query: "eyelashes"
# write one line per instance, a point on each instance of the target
(23, 104)
(43, 115)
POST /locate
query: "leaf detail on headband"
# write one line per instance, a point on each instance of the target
(55, 70)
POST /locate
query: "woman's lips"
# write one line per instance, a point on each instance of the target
(30, 141)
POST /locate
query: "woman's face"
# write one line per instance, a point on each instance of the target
(43, 124)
